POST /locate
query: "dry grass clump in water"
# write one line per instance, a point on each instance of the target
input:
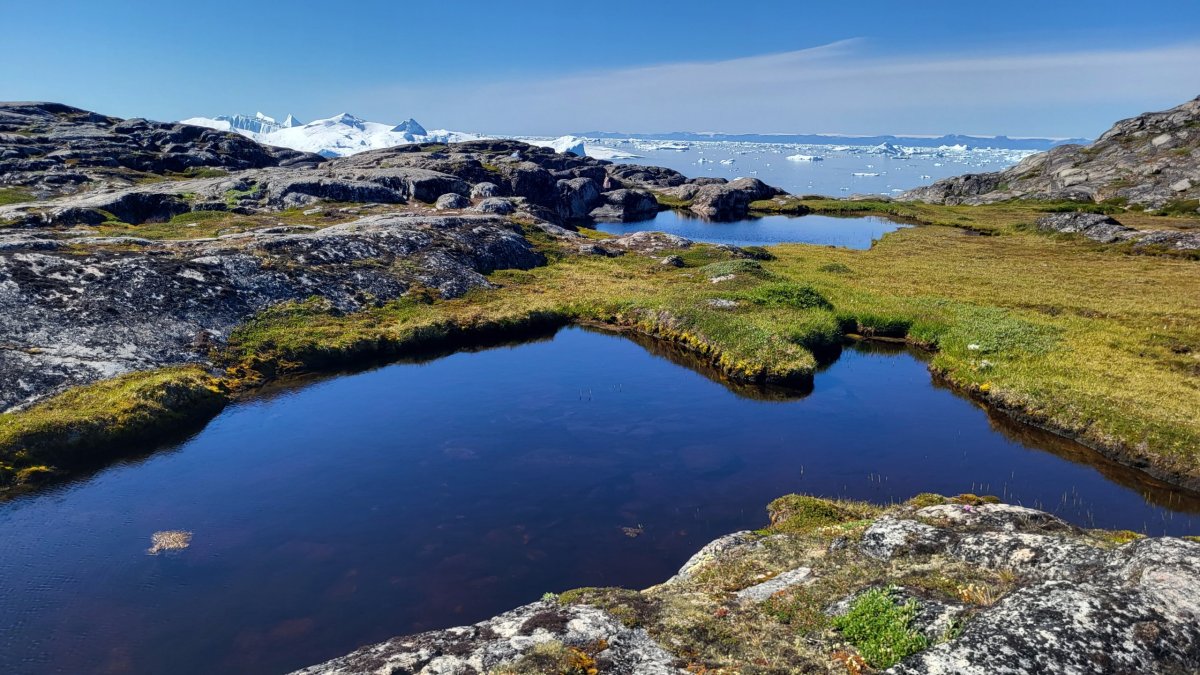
(169, 540)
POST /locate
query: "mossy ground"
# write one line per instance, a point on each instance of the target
(1079, 337)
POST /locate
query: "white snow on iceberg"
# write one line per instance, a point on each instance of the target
(336, 136)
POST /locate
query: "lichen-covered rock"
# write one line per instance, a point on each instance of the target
(484, 190)
(495, 205)
(136, 304)
(1106, 230)
(505, 640)
(451, 200)
(1094, 226)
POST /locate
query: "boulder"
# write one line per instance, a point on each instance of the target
(484, 190)
(495, 205)
(730, 200)
(577, 197)
(625, 205)
(452, 200)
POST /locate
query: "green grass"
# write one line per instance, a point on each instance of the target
(802, 513)
(74, 427)
(880, 628)
(15, 196)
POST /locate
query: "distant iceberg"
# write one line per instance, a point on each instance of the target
(805, 158)
(579, 147)
(336, 136)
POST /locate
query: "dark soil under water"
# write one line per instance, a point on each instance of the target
(419, 496)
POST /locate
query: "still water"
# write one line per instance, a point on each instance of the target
(847, 232)
(422, 495)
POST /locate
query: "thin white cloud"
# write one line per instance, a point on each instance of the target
(836, 88)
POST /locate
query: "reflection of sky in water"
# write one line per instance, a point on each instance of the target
(764, 231)
(414, 497)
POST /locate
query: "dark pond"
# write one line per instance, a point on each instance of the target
(847, 232)
(418, 496)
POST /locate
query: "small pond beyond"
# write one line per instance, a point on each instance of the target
(417, 496)
(845, 231)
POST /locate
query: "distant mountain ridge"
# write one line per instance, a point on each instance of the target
(999, 142)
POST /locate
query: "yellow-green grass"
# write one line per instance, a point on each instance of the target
(1074, 336)
(76, 427)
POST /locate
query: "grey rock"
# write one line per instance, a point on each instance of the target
(452, 200)
(782, 582)
(714, 550)
(54, 149)
(649, 242)
(577, 197)
(1094, 226)
(484, 190)
(141, 309)
(496, 205)
(1106, 230)
(730, 200)
(625, 205)
(488, 645)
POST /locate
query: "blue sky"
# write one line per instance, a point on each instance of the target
(539, 67)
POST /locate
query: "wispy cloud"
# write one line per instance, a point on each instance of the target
(838, 87)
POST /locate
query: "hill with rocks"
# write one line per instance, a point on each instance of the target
(79, 304)
(1150, 162)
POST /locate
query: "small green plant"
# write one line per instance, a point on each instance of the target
(549, 597)
(880, 628)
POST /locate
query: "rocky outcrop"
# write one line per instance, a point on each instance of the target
(135, 304)
(625, 205)
(541, 637)
(1107, 230)
(977, 588)
(1152, 160)
(723, 201)
(50, 149)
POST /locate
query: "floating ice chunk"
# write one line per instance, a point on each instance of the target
(805, 158)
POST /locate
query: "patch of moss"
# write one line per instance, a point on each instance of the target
(198, 217)
(835, 268)
(801, 513)
(75, 427)
(15, 196)
(924, 499)
(793, 296)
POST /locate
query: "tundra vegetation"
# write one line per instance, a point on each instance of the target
(1084, 338)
